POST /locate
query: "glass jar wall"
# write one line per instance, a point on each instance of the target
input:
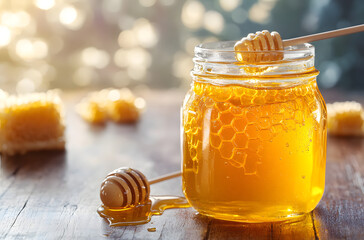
(253, 136)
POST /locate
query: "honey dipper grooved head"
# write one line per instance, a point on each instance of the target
(124, 187)
(264, 47)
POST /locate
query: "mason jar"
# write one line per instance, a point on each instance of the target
(253, 135)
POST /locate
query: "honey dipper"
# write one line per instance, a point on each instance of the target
(265, 41)
(125, 187)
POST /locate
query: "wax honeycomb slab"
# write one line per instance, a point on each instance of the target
(345, 119)
(31, 122)
(118, 105)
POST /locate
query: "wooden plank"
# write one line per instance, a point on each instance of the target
(54, 195)
(340, 214)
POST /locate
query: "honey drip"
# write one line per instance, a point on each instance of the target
(142, 213)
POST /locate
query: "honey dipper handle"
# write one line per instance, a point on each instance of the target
(323, 35)
(165, 177)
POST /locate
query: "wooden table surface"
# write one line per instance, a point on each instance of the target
(54, 195)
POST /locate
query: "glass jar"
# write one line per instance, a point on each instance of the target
(253, 136)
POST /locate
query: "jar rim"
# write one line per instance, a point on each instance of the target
(228, 47)
(219, 59)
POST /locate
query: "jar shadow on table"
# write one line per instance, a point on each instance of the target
(350, 145)
(304, 227)
(33, 163)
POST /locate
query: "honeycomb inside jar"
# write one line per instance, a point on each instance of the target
(254, 154)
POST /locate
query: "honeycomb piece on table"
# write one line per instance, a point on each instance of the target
(118, 105)
(31, 122)
(92, 109)
(123, 106)
(345, 119)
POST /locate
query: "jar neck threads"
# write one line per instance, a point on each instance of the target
(216, 63)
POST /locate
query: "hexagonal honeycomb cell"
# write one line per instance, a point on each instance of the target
(242, 124)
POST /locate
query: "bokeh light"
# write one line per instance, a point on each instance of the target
(127, 39)
(5, 36)
(35, 76)
(137, 72)
(84, 76)
(44, 4)
(111, 6)
(167, 2)
(145, 33)
(71, 17)
(68, 15)
(134, 57)
(95, 57)
(147, 3)
(140, 103)
(25, 85)
(260, 12)
(214, 22)
(30, 49)
(150, 43)
(18, 19)
(330, 74)
(193, 14)
(229, 5)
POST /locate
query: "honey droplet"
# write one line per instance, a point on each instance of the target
(141, 213)
(152, 229)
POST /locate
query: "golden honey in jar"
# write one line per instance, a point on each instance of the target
(253, 135)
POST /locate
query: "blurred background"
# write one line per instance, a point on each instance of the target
(77, 44)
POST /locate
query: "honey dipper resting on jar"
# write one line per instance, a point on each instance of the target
(264, 46)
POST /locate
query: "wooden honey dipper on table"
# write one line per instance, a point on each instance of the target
(263, 41)
(126, 187)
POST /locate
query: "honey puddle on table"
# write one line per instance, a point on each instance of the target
(142, 213)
